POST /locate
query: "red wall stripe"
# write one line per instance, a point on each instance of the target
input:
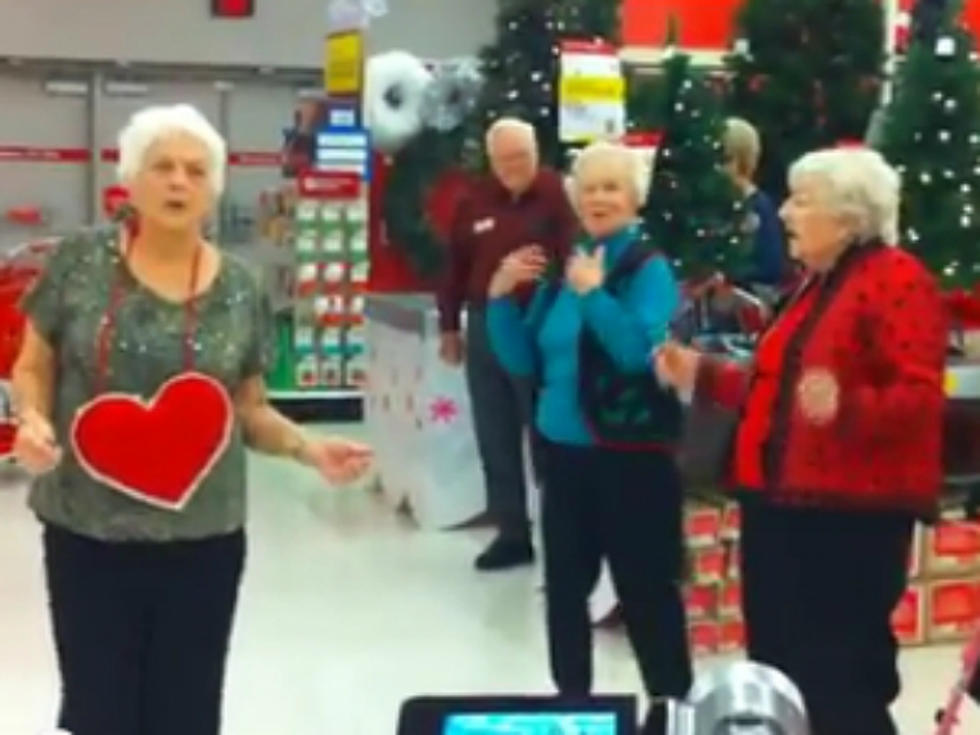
(255, 158)
(709, 24)
(34, 154)
(705, 24)
(39, 154)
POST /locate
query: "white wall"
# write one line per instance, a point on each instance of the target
(282, 33)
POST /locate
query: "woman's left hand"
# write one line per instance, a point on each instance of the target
(339, 461)
(586, 272)
(819, 395)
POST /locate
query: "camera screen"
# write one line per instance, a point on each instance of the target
(554, 723)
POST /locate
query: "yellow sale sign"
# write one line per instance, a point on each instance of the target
(344, 63)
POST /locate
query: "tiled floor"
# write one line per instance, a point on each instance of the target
(347, 610)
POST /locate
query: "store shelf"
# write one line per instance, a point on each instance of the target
(338, 405)
(321, 394)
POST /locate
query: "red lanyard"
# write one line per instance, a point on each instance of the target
(108, 327)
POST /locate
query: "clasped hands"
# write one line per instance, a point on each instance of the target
(584, 272)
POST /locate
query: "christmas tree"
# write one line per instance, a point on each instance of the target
(522, 68)
(807, 74)
(694, 212)
(932, 134)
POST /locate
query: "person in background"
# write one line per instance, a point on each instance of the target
(522, 204)
(143, 594)
(768, 266)
(838, 447)
(602, 498)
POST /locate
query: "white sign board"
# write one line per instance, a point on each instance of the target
(592, 94)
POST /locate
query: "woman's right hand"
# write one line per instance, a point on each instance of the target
(521, 266)
(35, 447)
(677, 366)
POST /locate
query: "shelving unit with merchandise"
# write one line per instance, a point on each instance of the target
(321, 336)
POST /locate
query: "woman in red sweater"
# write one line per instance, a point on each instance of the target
(838, 446)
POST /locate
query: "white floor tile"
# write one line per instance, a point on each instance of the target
(346, 610)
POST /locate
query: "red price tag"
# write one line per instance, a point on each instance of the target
(329, 185)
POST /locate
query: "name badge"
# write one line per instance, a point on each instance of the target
(484, 225)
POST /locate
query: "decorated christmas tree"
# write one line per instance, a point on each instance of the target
(694, 212)
(522, 68)
(807, 74)
(932, 134)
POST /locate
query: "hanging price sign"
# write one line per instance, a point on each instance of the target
(592, 92)
(344, 63)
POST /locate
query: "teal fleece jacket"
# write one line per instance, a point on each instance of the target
(628, 327)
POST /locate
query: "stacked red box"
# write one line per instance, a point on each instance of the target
(949, 565)
(714, 596)
(953, 549)
(941, 604)
(953, 609)
(909, 618)
(731, 522)
(731, 636)
(701, 602)
(730, 602)
(710, 566)
(704, 637)
(702, 526)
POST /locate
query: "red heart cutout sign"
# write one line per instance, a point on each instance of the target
(158, 451)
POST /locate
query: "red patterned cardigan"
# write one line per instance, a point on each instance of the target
(878, 324)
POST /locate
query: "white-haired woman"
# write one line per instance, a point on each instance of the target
(611, 485)
(838, 447)
(143, 513)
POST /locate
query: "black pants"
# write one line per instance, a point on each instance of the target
(819, 591)
(625, 507)
(142, 632)
(501, 409)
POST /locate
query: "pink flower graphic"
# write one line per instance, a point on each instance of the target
(443, 410)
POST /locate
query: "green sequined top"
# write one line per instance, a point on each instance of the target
(233, 341)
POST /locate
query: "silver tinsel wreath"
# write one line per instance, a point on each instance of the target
(452, 95)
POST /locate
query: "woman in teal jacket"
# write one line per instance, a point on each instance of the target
(612, 488)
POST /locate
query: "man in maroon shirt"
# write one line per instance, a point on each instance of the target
(521, 204)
